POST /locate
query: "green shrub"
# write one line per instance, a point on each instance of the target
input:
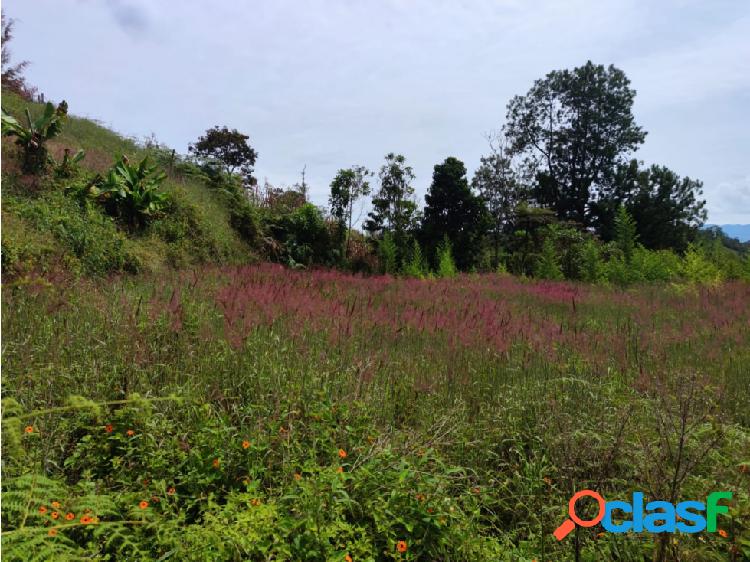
(446, 265)
(83, 231)
(387, 252)
(547, 264)
(655, 265)
(697, 268)
(415, 267)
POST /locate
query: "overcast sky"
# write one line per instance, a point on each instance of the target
(331, 83)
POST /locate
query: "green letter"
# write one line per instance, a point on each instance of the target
(712, 508)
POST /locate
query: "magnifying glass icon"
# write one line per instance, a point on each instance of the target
(569, 524)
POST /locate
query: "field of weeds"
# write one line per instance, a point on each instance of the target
(258, 413)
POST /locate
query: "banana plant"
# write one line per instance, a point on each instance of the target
(69, 165)
(132, 192)
(32, 138)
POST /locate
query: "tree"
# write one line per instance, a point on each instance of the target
(500, 189)
(394, 208)
(227, 147)
(452, 210)
(574, 128)
(667, 209)
(12, 75)
(626, 233)
(32, 138)
(347, 187)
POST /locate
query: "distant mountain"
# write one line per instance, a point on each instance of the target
(739, 231)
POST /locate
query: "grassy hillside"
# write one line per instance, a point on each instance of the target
(44, 229)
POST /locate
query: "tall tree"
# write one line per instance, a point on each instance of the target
(394, 209)
(668, 210)
(347, 187)
(455, 213)
(229, 148)
(12, 75)
(501, 190)
(574, 127)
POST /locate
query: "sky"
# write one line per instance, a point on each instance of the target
(325, 84)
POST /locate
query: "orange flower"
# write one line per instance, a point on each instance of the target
(347, 558)
(246, 444)
(130, 433)
(143, 504)
(600, 535)
(342, 454)
(723, 533)
(86, 520)
(216, 463)
(340, 469)
(255, 501)
(70, 516)
(52, 532)
(29, 429)
(108, 428)
(401, 546)
(476, 489)
(171, 491)
(547, 480)
(297, 476)
(55, 504)
(54, 515)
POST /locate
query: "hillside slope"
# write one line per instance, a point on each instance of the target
(44, 229)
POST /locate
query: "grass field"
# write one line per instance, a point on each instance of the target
(257, 413)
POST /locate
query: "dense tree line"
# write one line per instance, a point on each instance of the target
(558, 195)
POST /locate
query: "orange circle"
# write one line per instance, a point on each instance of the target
(572, 508)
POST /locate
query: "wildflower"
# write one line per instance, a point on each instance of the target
(55, 504)
(216, 463)
(86, 520)
(54, 515)
(430, 510)
(52, 532)
(600, 535)
(347, 558)
(155, 499)
(29, 429)
(401, 546)
(143, 504)
(130, 433)
(476, 489)
(420, 497)
(255, 502)
(342, 454)
(70, 516)
(42, 510)
(297, 476)
(547, 480)
(246, 444)
(171, 491)
(108, 428)
(723, 533)
(340, 469)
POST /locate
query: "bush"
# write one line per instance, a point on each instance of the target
(547, 264)
(697, 268)
(446, 264)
